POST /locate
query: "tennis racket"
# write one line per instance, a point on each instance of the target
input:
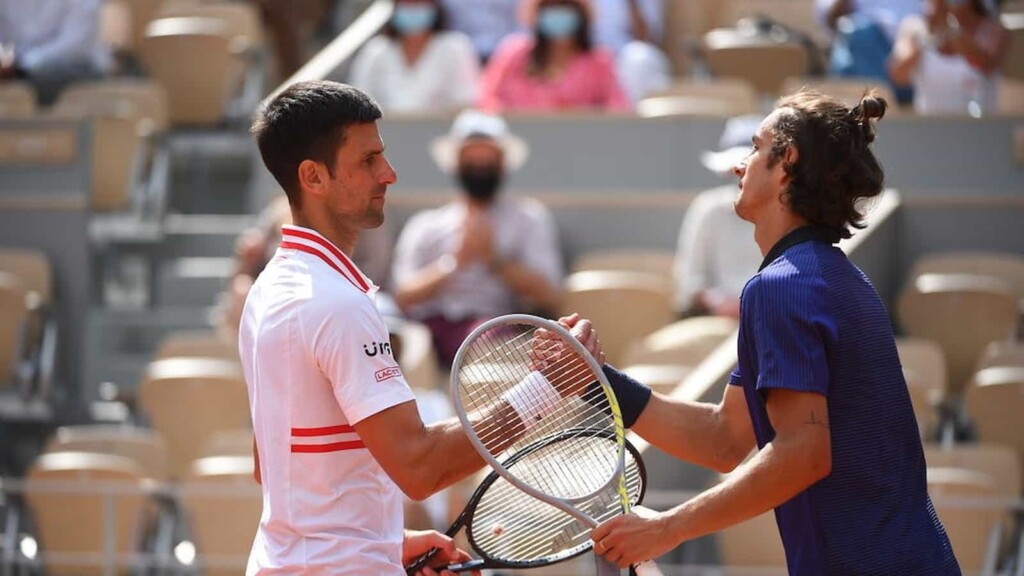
(517, 380)
(508, 528)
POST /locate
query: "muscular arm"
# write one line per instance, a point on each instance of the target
(716, 436)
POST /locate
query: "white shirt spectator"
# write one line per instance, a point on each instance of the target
(887, 13)
(317, 359)
(47, 32)
(524, 231)
(716, 249)
(486, 22)
(443, 79)
(612, 22)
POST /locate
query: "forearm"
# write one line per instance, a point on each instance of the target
(902, 65)
(528, 284)
(425, 284)
(774, 476)
(691, 431)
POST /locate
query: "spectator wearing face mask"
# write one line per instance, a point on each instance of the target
(484, 254)
(416, 65)
(557, 66)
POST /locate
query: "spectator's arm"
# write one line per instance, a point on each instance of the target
(416, 278)
(536, 278)
(985, 59)
(466, 70)
(906, 52)
(638, 28)
(828, 12)
(77, 36)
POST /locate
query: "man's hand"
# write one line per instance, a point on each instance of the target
(418, 543)
(633, 538)
(477, 242)
(560, 363)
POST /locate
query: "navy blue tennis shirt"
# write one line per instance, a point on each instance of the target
(811, 321)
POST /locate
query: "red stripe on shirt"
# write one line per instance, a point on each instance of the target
(320, 255)
(333, 250)
(332, 447)
(323, 430)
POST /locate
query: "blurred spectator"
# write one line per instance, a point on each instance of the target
(484, 254)
(951, 56)
(555, 67)
(256, 246)
(486, 22)
(52, 43)
(632, 30)
(864, 33)
(415, 65)
(716, 253)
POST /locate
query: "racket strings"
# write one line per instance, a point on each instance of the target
(499, 360)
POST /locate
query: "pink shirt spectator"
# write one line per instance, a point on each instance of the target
(589, 81)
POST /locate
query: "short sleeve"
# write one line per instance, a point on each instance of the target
(351, 347)
(543, 253)
(792, 328)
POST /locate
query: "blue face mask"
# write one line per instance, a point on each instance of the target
(558, 22)
(413, 18)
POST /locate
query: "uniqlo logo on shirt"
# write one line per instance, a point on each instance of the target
(387, 373)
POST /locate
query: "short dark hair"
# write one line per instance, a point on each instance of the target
(440, 22)
(308, 121)
(835, 168)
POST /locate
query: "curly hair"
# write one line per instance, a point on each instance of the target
(835, 168)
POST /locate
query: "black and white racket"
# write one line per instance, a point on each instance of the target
(518, 380)
(508, 528)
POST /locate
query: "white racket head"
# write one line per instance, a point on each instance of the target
(518, 379)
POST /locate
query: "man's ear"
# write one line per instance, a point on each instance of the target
(789, 158)
(313, 177)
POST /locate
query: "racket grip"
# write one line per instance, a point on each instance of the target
(466, 566)
(422, 561)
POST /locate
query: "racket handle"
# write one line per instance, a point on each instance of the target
(422, 561)
(466, 566)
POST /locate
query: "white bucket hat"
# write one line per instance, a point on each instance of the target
(477, 124)
(733, 145)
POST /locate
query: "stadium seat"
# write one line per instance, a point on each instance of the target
(763, 62)
(143, 446)
(1006, 266)
(1013, 64)
(188, 399)
(924, 368)
(963, 313)
(32, 268)
(242, 19)
(628, 260)
(17, 101)
(222, 505)
(997, 461)
(733, 96)
(13, 316)
(973, 527)
(237, 442)
(995, 402)
(752, 547)
(662, 378)
(797, 15)
(1005, 353)
(196, 344)
(69, 494)
(683, 343)
(31, 320)
(416, 356)
(624, 306)
(849, 90)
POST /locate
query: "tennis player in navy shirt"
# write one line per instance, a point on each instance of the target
(818, 388)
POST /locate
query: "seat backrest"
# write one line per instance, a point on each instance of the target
(12, 320)
(416, 357)
(33, 269)
(139, 99)
(69, 494)
(242, 19)
(196, 344)
(1006, 266)
(658, 262)
(968, 524)
(1013, 63)
(663, 378)
(223, 504)
(962, 313)
(849, 90)
(764, 63)
(1004, 353)
(924, 368)
(734, 93)
(995, 402)
(997, 461)
(237, 442)
(188, 399)
(684, 342)
(197, 94)
(17, 101)
(623, 306)
(143, 446)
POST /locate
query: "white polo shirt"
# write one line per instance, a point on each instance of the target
(317, 360)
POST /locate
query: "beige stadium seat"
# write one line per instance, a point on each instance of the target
(1004, 353)
(222, 505)
(13, 315)
(657, 262)
(198, 94)
(242, 19)
(143, 446)
(764, 63)
(794, 14)
(69, 493)
(963, 500)
(17, 101)
(752, 547)
(1006, 266)
(237, 442)
(188, 399)
(196, 344)
(29, 322)
(849, 90)
(684, 342)
(32, 267)
(141, 99)
(662, 378)
(416, 357)
(997, 461)
(995, 404)
(1013, 64)
(1010, 96)
(624, 306)
(716, 97)
(963, 313)
(924, 368)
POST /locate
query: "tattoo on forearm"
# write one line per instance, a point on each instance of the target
(815, 422)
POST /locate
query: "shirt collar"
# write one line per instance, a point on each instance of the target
(808, 233)
(312, 242)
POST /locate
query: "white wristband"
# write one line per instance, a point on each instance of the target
(532, 399)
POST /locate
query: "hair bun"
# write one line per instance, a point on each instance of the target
(872, 106)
